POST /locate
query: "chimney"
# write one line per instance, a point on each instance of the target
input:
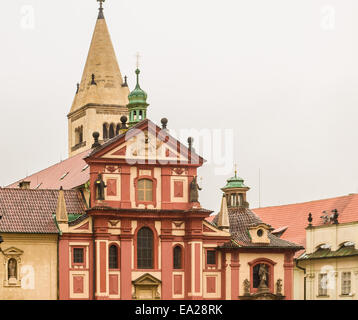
(25, 185)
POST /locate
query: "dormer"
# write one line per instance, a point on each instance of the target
(259, 233)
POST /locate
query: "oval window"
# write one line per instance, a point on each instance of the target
(260, 232)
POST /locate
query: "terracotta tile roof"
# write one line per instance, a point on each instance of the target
(30, 211)
(240, 221)
(295, 215)
(70, 170)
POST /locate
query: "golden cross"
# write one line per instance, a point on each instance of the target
(138, 56)
(235, 166)
(101, 3)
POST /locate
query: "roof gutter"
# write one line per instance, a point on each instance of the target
(304, 279)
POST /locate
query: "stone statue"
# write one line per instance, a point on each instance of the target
(279, 287)
(247, 287)
(100, 186)
(12, 268)
(194, 187)
(263, 275)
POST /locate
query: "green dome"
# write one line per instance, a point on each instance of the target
(137, 96)
(235, 182)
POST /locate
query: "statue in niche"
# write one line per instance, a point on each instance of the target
(194, 187)
(100, 186)
(263, 275)
(12, 265)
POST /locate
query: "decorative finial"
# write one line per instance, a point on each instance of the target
(164, 122)
(310, 219)
(190, 142)
(96, 142)
(93, 82)
(124, 120)
(125, 84)
(235, 166)
(100, 15)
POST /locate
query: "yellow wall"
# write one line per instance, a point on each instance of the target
(335, 236)
(245, 258)
(38, 267)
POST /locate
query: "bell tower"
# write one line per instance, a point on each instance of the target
(101, 98)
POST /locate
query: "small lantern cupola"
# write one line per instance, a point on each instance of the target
(235, 192)
(137, 105)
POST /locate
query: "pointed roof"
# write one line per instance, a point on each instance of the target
(102, 81)
(223, 216)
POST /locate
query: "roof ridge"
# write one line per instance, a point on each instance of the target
(305, 202)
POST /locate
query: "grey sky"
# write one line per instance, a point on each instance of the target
(283, 74)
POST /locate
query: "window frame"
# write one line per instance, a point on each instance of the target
(83, 263)
(181, 257)
(154, 190)
(322, 292)
(117, 258)
(141, 265)
(343, 293)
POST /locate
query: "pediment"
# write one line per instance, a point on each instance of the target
(147, 142)
(12, 251)
(146, 279)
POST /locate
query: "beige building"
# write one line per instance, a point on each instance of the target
(330, 262)
(29, 248)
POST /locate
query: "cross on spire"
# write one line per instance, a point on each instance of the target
(235, 166)
(138, 56)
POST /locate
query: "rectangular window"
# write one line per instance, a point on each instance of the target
(346, 283)
(211, 257)
(322, 284)
(78, 256)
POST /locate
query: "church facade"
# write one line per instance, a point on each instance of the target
(140, 231)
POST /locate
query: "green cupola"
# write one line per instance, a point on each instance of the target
(137, 105)
(235, 192)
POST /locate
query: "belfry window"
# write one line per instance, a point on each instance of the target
(145, 248)
(177, 258)
(113, 257)
(145, 190)
(111, 131)
(105, 131)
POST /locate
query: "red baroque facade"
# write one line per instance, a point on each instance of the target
(143, 238)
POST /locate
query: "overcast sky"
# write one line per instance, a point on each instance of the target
(282, 74)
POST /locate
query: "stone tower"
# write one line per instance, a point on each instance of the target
(102, 96)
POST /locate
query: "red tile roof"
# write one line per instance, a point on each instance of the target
(30, 211)
(241, 219)
(71, 169)
(295, 215)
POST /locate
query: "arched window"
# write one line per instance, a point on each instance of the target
(118, 128)
(177, 256)
(145, 190)
(145, 248)
(105, 131)
(111, 131)
(140, 115)
(134, 115)
(113, 257)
